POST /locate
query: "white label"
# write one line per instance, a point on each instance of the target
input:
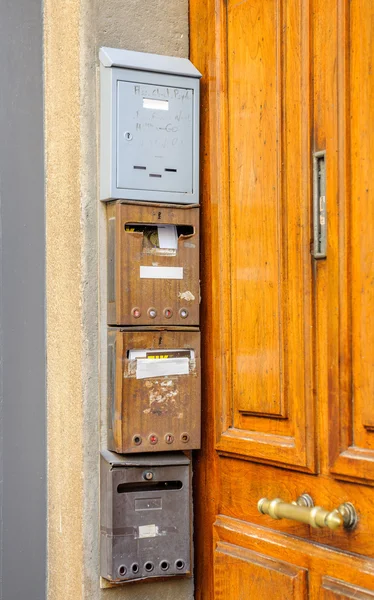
(155, 104)
(161, 272)
(148, 531)
(161, 367)
(167, 236)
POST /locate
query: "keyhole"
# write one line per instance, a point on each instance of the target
(128, 136)
(159, 215)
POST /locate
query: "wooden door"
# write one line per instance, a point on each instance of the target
(288, 359)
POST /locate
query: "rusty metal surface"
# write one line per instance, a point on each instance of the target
(159, 413)
(132, 244)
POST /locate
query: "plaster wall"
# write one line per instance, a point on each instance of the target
(75, 244)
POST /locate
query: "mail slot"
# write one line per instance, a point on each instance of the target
(153, 265)
(153, 390)
(145, 516)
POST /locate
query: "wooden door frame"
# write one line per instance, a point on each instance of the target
(208, 53)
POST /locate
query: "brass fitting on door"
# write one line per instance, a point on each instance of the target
(303, 511)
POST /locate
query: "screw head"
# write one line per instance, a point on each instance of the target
(136, 312)
(183, 313)
(153, 439)
(185, 438)
(137, 439)
(148, 475)
(152, 312)
(169, 438)
(168, 313)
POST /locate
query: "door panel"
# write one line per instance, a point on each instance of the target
(268, 128)
(253, 575)
(352, 383)
(334, 589)
(288, 354)
(242, 484)
(315, 564)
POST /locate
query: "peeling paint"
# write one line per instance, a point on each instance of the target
(188, 296)
(162, 398)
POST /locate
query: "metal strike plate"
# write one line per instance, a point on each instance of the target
(319, 206)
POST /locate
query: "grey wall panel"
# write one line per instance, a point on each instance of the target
(22, 321)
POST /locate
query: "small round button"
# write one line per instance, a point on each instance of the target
(153, 439)
(152, 312)
(169, 438)
(136, 312)
(168, 313)
(183, 313)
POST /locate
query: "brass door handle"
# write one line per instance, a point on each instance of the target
(304, 511)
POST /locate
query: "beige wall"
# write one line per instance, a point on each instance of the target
(74, 30)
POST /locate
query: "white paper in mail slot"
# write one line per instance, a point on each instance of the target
(161, 367)
(161, 272)
(167, 236)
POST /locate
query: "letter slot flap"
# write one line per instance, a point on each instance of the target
(145, 516)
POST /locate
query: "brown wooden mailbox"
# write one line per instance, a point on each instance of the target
(153, 390)
(153, 265)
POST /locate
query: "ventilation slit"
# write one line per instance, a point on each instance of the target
(171, 170)
(155, 175)
(140, 167)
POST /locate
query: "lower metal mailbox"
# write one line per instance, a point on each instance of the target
(145, 515)
(153, 390)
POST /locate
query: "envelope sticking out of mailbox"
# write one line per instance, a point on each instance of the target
(153, 265)
(153, 390)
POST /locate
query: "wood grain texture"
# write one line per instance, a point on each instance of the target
(243, 574)
(352, 384)
(241, 485)
(333, 589)
(318, 560)
(129, 250)
(280, 433)
(288, 342)
(159, 406)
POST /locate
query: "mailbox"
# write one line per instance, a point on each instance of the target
(153, 390)
(149, 133)
(145, 516)
(153, 265)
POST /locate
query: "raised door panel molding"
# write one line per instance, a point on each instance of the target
(318, 560)
(241, 573)
(351, 356)
(334, 589)
(268, 400)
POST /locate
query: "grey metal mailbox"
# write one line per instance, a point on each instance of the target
(149, 133)
(145, 515)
